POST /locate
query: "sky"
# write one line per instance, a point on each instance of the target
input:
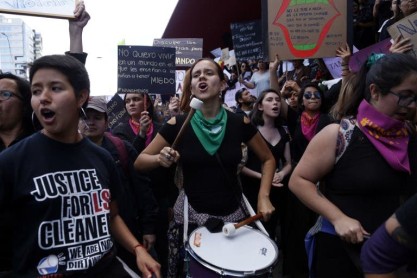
(138, 22)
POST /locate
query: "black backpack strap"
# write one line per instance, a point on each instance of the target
(121, 150)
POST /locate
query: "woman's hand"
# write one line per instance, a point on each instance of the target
(344, 53)
(168, 156)
(291, 85)
(265, 207)
(174, 106)
(145, 121)
(81, 17)
(277, 180)
(401, 45)
(146, 264)
(273, 66)
(350, 229)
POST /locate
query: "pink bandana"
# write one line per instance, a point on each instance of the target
(136, 127)
(309, 125)
(389, 136)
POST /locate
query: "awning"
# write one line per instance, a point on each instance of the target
(210, 20)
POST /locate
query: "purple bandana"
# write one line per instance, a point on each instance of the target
(389, 136)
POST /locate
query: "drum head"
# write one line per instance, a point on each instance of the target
(247, 251)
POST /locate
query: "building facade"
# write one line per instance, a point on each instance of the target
(19, 46)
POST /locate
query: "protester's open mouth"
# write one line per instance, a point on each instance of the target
(47, 114)
(202, 86)
(275, 109)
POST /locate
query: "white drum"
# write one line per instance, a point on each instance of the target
(249, 252)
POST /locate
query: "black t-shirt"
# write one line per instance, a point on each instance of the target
(207, 188)
(251, 185)
(59, 195)
(363, 185)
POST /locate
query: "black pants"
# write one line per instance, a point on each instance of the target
(332, 259)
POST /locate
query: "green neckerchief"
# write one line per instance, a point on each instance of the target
(210, 132)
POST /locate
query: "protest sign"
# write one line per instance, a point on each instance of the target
(216, 52)
(187, 51)
(179, 78)
(360, 57)
(45, 8)
(146, 69)
(334, 64)
(225, 54)
(304, 29)
(116, 111)
(407, 28)
(247, 40)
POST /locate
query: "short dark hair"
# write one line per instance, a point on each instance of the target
(238, 95)
(69, 66)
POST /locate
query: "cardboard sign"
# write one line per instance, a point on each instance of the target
(247, 40)
(146, 69)
(216, 52)
(407, 28)
(179, 78)
(304, 29)
(45, 8)
(187, 51)
(116, 111)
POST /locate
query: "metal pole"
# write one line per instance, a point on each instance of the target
(10, 51)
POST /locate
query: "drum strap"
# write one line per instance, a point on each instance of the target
(248, 206)
(185, 230)
(252, 213)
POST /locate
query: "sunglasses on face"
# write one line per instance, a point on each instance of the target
(308, 95)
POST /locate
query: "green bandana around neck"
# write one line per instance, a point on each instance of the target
(210, 132)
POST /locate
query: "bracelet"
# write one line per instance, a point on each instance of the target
(136, 246)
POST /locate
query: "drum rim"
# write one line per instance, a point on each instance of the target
(229, 271)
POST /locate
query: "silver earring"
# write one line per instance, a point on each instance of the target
(83, 114)
(35, 122)
(33, 118)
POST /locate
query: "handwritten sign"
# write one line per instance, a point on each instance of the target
(146, 69)
(46, 8)
(116, 111)
(305, 29)
(407, 28)
(247, 40)
(187, 51)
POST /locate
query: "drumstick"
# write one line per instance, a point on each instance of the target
(195, 104)
(230, 229)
